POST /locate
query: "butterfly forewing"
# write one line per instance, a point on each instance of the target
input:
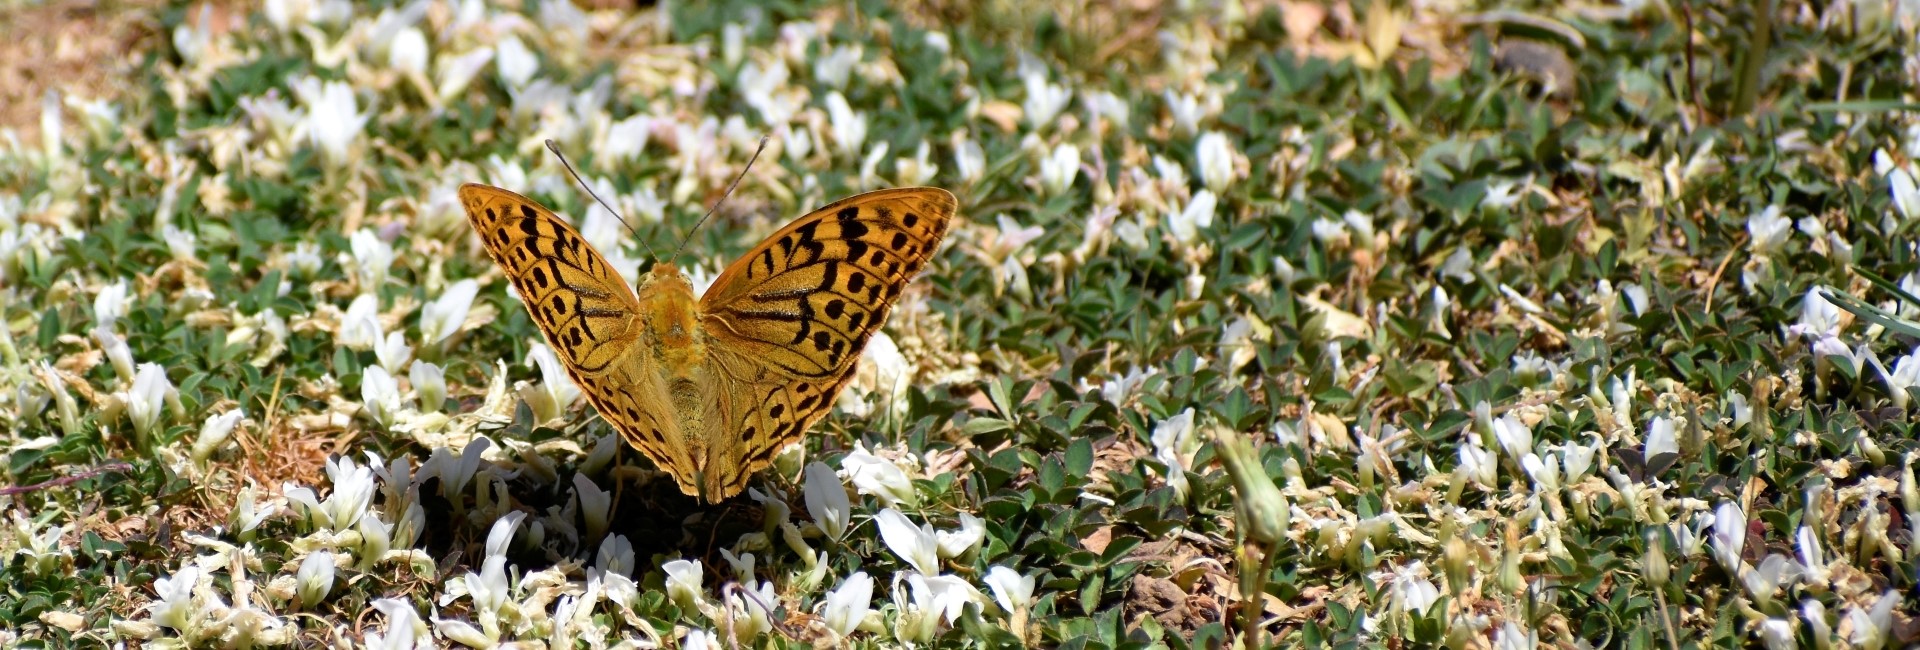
(587, 312)
(800, 307)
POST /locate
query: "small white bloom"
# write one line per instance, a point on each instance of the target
(1906, 195)
(429, 384)
(963, 540)
(174, 604)
(150, 397)
(1187, 223)
(1777, 634)
(117, 352)
(403, 626)
(1174, 443)
(1014, 592)
(1216, 156)
(516, 64)
(393, 353)
(1044, 100)
(180, 243)
(917, 545)
(848, 604)
(1769, 231)
(457, 72)
(1660, 437)
(444, 316)
(381, 395)
(556, 390)
(1514, 436)
(918, 170)
(833, 69)
(215, 431)
(332, 120)
(1059, 169)
(1905, 375)
(1729, 536)
(849, 127)
(595, 505)
(827, 500)
(701, 640)
(110, 304)
(360, 325)
(875, 476)
(683, 583)
(373, 258)
(315, 578)
(1186, 110)
(408, 52)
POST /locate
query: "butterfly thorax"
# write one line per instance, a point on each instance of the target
(675, 342)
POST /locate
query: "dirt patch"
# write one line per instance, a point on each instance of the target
(76, 47)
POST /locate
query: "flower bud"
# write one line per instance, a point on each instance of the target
(1653, 565)
(1263, 510)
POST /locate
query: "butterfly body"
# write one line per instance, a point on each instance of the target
(711, 388)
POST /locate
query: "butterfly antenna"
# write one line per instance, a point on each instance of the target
(723, 197)
(583, 185)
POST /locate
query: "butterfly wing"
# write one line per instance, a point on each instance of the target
(588, 314)
(787, 321)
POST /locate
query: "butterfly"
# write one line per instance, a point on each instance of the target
(710, 390)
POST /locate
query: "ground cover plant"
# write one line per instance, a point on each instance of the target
(1260, 323)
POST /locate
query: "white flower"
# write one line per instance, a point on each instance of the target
(1173, 444)
(1818, 316)
(1044, 100)
(180, 243)
(875, 476)
(683, 583)
(1905, 375)
(1660, 437)
(117, 352)
(917, 170)
(393, 353)
(1769, 231)
(360, 325)
(429, 384)
(1872, 627)
(516, 64)
(1906, 195)
(1186, 111)
(833, 69)
(408, 52)
(701, 640)
(1014, 592)
(381, 395)
(848, 604)
(174, 604)
(1103, 104)
(595, 505)
(147, 402)
(917, 545)
(1500, 194)
(969, 159)
(951, 595)
(1173, 177)
(1576, 460)
(332, 120)
(1514, 436)
(849, 127)
(1196, 216)
(214, 431)
(443, 317)
(827, 500)
(625, 139)
(1777, 634)
(457, 72)
(616, 556)
(1729, 536)
(110, 304)
(556, 390)
(1409, 588)
(374, 258)
(1059, 169)
(963, 540)
(1216, 155)
(248, 514)
(315, 578)
(1774, 572)
(403, 626)
(1545, 473)
(1477, 462)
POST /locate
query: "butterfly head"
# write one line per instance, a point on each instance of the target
(667, 296)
